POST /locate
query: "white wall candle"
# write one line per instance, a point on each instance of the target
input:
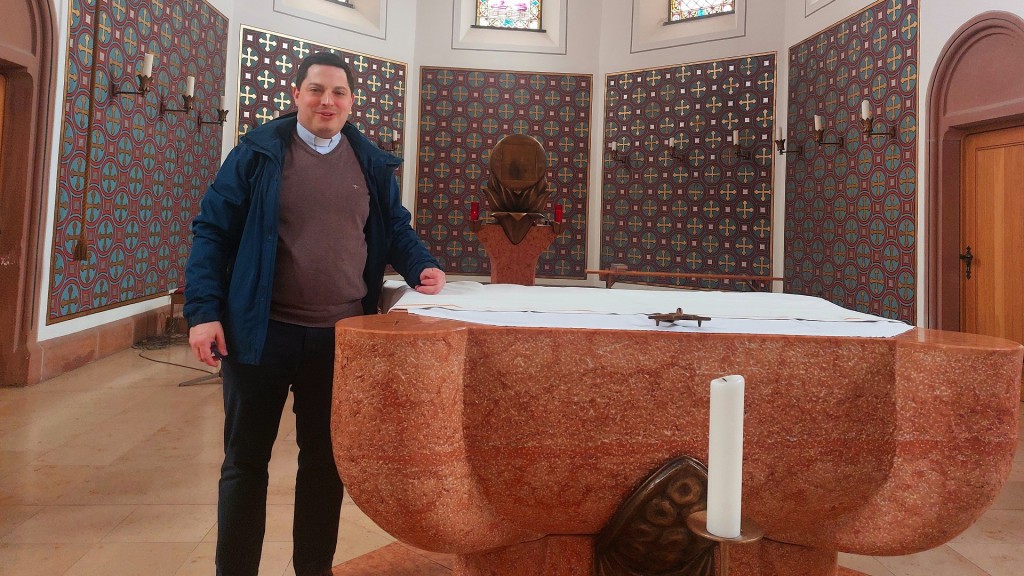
(819, 123)
(779, 134)
(865, 109)
(613, 146)
(147, 64)
(725, 456)
(736, 137)
(190, 86)
(223, 102)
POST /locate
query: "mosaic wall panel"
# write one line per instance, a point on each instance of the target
(267, 66)
(130, 180)
(851, 211)
(463, 114)
(699, 207)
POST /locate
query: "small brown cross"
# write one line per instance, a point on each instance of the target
(671, 317)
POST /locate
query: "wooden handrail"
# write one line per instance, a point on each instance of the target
(609, 276)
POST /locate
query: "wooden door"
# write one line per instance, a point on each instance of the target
(992, 225)
(3, 113)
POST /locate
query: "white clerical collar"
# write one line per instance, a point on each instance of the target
(321, 145)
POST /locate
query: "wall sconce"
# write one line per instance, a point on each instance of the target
(389, 144)
(819, 134)
(145, 79)
(780, 143)
(738, 149)
(867, 118)
(620, 153)
(222, 114)
(675, 148)
(186, 98)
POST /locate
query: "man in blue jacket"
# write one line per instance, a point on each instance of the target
(292, 236)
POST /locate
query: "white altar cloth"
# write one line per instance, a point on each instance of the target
(626, 309)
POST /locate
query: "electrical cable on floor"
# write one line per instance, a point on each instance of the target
(141, 355)
(164, 341)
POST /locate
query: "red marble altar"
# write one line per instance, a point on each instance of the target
(512, 447)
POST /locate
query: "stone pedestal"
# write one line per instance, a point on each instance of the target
(515, 263)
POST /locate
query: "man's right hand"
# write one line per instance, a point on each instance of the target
(203, 338)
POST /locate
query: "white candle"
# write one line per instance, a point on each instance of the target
(190, 86)
(725, 456)
(613, 146)
(736, 137)
(396, 135)
(865, 109)
(779, 135)
(223, 102)
(819, 123)
(147, 64)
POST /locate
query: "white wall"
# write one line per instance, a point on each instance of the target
(598, 41)
(763, 22)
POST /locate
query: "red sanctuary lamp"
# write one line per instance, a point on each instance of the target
(558, 224)
(474, 216)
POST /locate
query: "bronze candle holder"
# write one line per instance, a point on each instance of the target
(749, 532)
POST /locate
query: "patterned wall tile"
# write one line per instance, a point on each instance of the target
(701, 208)
(463, 114)
(130, 180)
(267, 66)
(851, 211)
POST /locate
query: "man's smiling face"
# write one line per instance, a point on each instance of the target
(324, 100)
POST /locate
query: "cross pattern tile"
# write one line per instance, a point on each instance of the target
(696, 205)
(129, 180)
(463, 114)
(851, 211)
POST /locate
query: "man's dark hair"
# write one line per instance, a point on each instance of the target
(324, 59)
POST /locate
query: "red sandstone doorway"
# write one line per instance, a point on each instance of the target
(27, 52)
(991, 213)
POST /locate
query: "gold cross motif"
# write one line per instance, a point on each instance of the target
(911, 27)
(266, 79)
(249, 56)
(894, 7)
(267, 42)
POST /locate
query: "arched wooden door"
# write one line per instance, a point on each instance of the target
(992, 234)
(27, 52)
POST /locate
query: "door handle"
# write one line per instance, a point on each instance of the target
(968, 258)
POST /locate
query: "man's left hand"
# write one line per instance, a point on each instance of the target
(431, 281)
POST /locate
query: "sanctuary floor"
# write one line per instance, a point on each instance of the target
(112, 470)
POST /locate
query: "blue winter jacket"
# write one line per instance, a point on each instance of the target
(230, 272)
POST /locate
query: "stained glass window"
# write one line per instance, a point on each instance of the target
(680, 10)
(514, 14)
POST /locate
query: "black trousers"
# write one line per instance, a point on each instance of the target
(300, 359)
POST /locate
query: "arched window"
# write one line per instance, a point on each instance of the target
(512, 14)
(683, 10)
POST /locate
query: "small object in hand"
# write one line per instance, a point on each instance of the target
(671, 317)
(214, 351)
